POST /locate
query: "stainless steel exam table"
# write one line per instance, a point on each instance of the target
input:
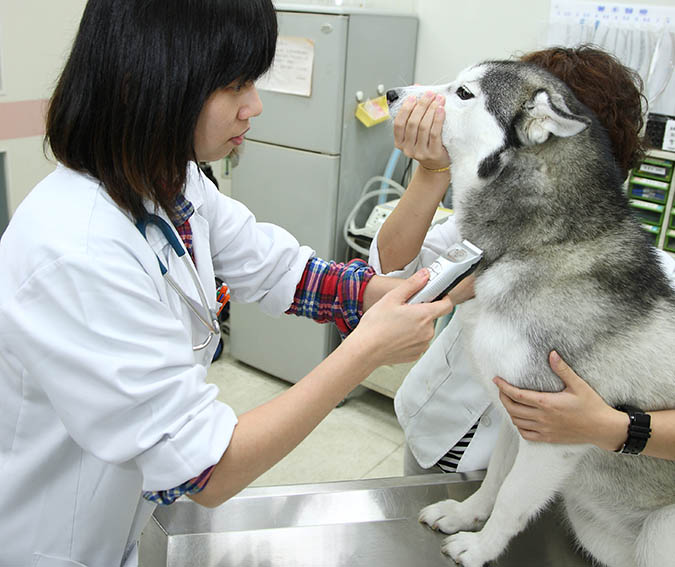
(365, 523)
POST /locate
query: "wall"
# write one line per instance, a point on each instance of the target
(35, 37)
(454, 35)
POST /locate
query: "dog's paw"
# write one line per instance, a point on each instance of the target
(449, 517)
(465, 549)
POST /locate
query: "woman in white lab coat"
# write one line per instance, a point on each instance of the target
(104, 408)
(447, 418)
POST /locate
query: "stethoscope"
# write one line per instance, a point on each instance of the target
(210, 321)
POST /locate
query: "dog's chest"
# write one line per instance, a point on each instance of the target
(498, 337)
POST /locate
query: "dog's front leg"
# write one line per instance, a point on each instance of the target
(451, 516)
(537, 473)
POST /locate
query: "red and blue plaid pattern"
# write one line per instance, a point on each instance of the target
(192, 486)
(180, 217)
(331, 292)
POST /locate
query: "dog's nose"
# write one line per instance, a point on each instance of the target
(392, 96)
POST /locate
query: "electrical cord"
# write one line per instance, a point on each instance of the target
(350, 226)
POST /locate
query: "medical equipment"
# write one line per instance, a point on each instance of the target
(209, 318)
(380, 213)
(448, 270)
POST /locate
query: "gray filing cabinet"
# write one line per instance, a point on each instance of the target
(307, 159)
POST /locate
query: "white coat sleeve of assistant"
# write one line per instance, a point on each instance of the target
(260, 262)
(668, 264)
(118, 368)
(436, 242)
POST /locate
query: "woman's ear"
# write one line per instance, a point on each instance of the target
(545, 114)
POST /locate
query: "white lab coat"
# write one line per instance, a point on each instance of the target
(439, 401)
(101, 394)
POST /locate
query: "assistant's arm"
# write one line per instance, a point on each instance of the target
(417, 132)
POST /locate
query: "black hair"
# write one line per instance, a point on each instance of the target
(126, 105)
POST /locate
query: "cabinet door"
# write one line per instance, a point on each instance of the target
(292, 188)
(312, 123)
(296, 190)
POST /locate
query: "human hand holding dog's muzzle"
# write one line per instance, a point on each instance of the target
(418, 124)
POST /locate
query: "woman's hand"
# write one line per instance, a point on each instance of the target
(417, 130)
(393, 331)
(577, 414)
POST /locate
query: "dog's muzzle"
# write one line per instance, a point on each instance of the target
(392, 96)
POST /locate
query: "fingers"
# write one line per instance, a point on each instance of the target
(427, 122)
(409, 287)
(437, 125)
(564, 372)
(518, 410)
(418, 126)
(415, 136)
(517, 395)
(441, 307)
(401, 121)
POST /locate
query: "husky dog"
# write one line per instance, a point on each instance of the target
(567, 268)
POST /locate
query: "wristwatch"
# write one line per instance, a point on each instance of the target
(639, 430)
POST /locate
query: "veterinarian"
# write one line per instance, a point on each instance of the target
(104, 408)
(449, 423)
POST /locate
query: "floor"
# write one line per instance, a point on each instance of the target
(359, 439)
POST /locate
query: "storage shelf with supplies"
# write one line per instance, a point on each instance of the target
(651, 194)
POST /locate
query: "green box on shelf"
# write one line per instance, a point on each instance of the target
(655, 168)
(646, 189)
(655, 231)
(648, 212)
(670, 241)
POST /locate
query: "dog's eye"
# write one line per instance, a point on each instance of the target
(464, 93)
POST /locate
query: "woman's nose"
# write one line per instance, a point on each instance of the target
(252, 106)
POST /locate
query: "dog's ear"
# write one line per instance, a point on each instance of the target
(545, 114)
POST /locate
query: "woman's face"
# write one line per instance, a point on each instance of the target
(224, 120)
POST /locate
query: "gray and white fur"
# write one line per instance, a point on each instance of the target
(535, 185)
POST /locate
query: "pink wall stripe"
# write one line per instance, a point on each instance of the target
(22, 119)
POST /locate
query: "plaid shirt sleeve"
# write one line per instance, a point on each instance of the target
(331, 292)
(192, 486)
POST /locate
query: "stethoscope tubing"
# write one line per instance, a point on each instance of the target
(212, 325)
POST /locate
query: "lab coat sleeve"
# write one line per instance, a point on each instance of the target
(668, 264)
(118, 368)
(437, 241)
(260, 262)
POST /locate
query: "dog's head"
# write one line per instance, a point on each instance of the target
(495, 108)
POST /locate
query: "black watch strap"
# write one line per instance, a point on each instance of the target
(639, 430)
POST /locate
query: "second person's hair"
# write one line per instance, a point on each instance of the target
(610, 89)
